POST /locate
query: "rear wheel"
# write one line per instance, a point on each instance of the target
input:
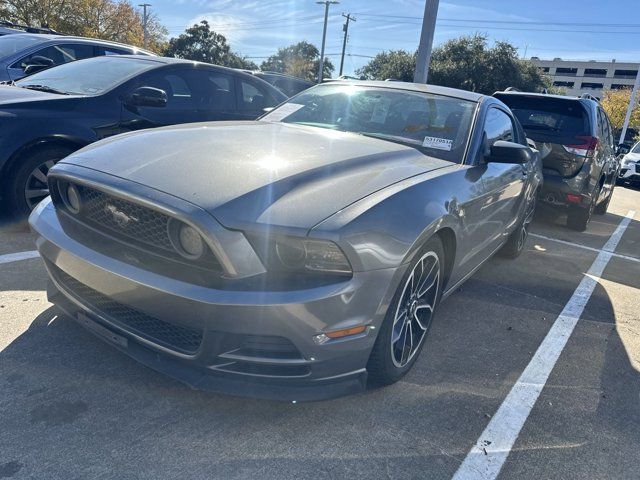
(517, 240)
(409, 317)
(27, 182)
(602, 207)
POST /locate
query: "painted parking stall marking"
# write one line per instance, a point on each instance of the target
(584, 247)
(487, 456)
(15, 257)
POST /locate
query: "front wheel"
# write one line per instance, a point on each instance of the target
(27, 182)
(409, 317)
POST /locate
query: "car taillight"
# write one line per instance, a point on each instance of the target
(585, 148)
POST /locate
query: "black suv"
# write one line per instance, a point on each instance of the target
(575, 140)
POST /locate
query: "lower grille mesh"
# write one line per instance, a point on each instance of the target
(175, 337)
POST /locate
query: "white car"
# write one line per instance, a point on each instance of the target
(630, 170)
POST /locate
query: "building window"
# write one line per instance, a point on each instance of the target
(566, 72)
(563, 84)
(620, 86)
(591, 86)
(545, 69)
(625, 73)
(595, 72)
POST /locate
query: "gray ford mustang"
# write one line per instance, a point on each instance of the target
(296, 257)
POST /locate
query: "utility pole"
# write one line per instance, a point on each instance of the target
(144, 21)
(632, 103)
(426, 41)
(345, 29)
(326, 4)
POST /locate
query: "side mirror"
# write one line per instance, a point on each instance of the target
(147, 97)
(37, 63)
(622, 149)
(509, 152)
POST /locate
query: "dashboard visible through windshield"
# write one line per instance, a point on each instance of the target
(437, 125)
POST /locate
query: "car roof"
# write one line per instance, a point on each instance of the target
(44, 37)
(278, 74)
(416, 87)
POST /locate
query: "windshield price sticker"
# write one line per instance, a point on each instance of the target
(380, 111)
(438, 143)
(283, 112)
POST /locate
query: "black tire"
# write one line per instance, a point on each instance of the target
(21, 178)
(518, 238)
(602, 207)
(384, 366)
(578, 218)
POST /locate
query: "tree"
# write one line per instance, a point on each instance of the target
(396, 64)
(116, 20)
(467, 63)
(300, 60)
(615, 103)
(202, 44)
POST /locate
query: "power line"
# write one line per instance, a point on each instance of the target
(519, 22)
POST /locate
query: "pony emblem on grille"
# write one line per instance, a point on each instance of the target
(120, 217)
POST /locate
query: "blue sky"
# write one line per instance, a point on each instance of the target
(572, 29)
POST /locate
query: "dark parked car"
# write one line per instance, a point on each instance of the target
(48, 115)
(27, 53)
(296, 255)
(287, 84)
(575, 139)
(10, 28)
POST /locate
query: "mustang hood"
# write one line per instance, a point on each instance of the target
(245, 173)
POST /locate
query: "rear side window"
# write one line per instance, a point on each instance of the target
(548, 120)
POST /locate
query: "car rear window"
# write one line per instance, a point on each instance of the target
(549, 119)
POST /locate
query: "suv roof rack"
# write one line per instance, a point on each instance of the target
(27, 28)
(512, 89)
(588, 96)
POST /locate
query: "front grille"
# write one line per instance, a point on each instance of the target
(144, 225)
(175, 337)
(129, 223)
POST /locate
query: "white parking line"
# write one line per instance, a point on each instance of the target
(584, 247)
(488, 455)
(14, 257)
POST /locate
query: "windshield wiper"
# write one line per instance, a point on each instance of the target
(11, 83)
(44, 88)
(392, 138)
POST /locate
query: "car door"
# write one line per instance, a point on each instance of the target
(58, 54)
(610, 163)
(179, 84)
(504, 183)
(217, 98)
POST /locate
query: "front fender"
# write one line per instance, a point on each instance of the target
(386, 229)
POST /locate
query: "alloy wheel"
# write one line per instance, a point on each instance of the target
(36, 187)
(526, 224)
(415, 309)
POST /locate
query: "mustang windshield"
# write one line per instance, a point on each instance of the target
(93, 76)
(435, 124)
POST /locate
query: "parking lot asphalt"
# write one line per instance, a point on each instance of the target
(73, 407)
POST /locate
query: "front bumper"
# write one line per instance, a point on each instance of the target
(248, 343)
(630, 172)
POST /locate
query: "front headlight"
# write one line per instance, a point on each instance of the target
(294, 254)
